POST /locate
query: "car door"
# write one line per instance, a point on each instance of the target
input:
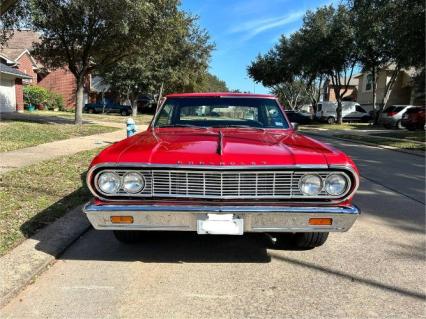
(348, 111)
(319, 110)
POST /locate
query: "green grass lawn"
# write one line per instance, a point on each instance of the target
(35, 196)
(19, 134)
(403, 144)
(418, 136)
(140, 119)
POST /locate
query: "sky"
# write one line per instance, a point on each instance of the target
(241, 29)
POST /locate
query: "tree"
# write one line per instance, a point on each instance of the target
(328, 34)
(84, 35)
(371, 20)
(389, 34)
(175, 59)
(406, 31)
(286, 71)
(14, 15)
(292, 94)
(212, 83)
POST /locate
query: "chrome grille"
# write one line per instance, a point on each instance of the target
(221, 184)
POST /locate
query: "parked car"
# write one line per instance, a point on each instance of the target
(414, 118)
(107, 107)
(392, 115)
(146, 104)
(351, 112)
(226, 164)
(299, 117)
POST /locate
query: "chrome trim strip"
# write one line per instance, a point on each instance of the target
(351, 209)
(215, 167)
(293, 193)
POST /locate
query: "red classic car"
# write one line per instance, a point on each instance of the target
(223, 163)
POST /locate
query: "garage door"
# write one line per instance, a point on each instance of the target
(7, 95)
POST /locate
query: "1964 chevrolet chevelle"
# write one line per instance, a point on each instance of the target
(222, 163)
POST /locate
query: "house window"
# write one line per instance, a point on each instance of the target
(369, 82)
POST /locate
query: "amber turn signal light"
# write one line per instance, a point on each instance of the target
(320, 221)
(122, 219)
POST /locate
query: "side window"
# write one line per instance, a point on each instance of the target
(274, 117)
(360, 109)
(164, 118)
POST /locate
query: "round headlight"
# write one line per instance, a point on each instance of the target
(335, 184)
(133, 183)
(109, 182)
(310, 184)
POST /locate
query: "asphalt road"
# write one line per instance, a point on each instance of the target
(377, 269)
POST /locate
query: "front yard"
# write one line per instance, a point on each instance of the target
(35, 196)
(16, 134)
(140, 119)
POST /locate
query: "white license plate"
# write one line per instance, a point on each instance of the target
(220, 224)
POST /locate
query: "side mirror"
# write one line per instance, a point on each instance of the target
(295, 126)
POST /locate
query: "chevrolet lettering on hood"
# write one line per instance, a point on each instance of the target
(223, 164)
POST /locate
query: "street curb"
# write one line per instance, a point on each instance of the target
(369, 144)
(20, 266)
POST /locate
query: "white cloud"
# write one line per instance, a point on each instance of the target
(254, 27)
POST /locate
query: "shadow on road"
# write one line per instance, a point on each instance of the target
(352, 278)
(172, 247)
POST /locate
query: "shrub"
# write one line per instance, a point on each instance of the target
(55, 101)
(35, 95)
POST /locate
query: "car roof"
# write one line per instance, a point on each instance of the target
(221, 94)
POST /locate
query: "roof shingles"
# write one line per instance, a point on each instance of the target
(20, 41)
(5, 69)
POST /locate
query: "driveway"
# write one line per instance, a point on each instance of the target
(374, 270)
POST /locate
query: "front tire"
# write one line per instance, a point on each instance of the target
(300, 240)
(128, 236)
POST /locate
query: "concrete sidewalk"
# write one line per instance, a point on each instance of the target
(31, 155)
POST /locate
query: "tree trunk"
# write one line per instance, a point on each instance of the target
(373, 73)
(79, 101)
(134, 107)
(386, 95)
(339, 119)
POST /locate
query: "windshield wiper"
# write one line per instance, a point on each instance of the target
(183, 125)
(240, 126)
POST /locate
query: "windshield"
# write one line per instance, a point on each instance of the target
(221, 112)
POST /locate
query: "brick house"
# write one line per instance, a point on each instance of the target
(17, 53)
(350, 95)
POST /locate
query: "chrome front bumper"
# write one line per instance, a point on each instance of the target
(256, 218)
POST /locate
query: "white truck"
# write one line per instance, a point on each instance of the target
(351, 112)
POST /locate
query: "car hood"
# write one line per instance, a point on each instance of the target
(233, 147)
